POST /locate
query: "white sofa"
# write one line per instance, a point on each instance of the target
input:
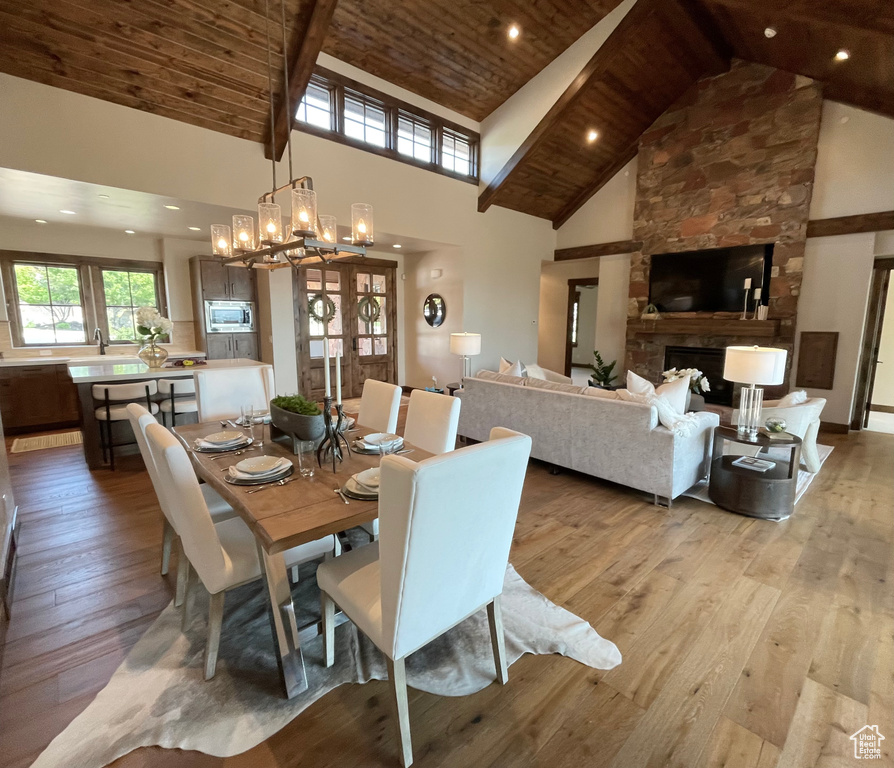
(584, 429)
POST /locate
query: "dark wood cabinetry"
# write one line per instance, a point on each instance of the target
(213, 281)
(37, 397)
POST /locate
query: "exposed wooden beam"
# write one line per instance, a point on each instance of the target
(306, 48)
(600, 249)
(577, 203)
(851, 225)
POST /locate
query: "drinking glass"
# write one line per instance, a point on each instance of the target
(247, 413)
(305, 450)
(255, 421)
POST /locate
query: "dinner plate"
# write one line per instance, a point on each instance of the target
(260, 465)
(224, 438)
(260, 479)
(355, 491)
(202, 447)
(381, 438)
(368, 478)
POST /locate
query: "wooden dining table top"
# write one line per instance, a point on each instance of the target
(305, 509)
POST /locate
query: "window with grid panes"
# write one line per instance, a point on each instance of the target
(365, 119)
(414, 137)
(317, 106)
(456, 153)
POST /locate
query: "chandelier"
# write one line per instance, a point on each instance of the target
(309, 236)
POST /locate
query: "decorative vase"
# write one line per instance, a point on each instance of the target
(296, 424)
(152, 354)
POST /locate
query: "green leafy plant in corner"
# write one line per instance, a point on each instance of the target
(296, 404)
(602, 373)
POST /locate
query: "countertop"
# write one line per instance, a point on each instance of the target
(13, 362)
(138, 371)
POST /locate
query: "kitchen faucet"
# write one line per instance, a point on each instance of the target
(97, 336)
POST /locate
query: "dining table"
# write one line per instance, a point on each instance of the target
(284, 516)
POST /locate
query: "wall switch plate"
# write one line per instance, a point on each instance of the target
(46, 352)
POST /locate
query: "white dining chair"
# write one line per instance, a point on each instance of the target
(114, 399)
(432, 421)
(379, 406)
(221, 392)
(447, 525)
(174, 403)
(219, 510)
(224, 555)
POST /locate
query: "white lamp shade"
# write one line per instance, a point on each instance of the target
(755, 365)
(465, 343)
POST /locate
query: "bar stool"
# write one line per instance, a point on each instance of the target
(174, 405)
(114, 398)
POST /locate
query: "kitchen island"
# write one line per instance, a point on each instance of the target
(112, 371)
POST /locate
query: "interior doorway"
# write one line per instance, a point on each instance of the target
(580, 335)
(874, 406)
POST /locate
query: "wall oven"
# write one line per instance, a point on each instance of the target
(229, 316)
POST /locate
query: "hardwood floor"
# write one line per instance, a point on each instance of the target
(746, 643)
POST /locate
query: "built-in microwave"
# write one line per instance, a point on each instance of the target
(229, 316)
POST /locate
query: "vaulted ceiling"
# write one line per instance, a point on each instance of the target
(205, 62)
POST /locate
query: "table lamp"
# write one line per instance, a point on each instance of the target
(753, 366)
(465, 345)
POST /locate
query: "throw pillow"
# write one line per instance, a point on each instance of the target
(637, 385)
(792, 398)
(682, 424)
(511, 369)
(674, 392)
(534, 371)
(505, 365)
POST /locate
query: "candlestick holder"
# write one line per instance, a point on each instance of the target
(331, 444)
(745, 308)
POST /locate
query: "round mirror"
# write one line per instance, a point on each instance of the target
(434, 310)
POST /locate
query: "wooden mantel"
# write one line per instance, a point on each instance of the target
(705, 326)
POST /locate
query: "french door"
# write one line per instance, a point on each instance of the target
(353, 304)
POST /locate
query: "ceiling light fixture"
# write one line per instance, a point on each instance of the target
(397, 245)
(66, 212)
(40, 221)
(592, 135)
(129, 232)
(195, 229)
(173, 207)
(307, 237)
(770, 33)
(842, 55)
(514, 32)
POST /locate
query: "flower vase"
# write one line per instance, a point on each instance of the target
(152, 354)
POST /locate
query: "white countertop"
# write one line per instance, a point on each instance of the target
(13, 362)
(109, 370)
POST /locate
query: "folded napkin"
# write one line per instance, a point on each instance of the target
(200, 443)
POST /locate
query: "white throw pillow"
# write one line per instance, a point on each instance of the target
(534, 371)
(505, 365)
(514, 369)
(792, 398)
(637, 385)
(674, 393)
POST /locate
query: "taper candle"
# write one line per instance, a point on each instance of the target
(338, 378)
(757, 294)
(747, 283)
(326, 383)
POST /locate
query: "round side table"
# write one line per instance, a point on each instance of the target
(769, 495)
(452, 387)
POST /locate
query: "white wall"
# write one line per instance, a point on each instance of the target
(611, 314)
(553, 314)
(883, 389)
(503, 131)
(582, 354)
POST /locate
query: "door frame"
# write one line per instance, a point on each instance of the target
(573, 284)
(872, 331)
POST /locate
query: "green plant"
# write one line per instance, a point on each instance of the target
(296, 404)
(602, 373)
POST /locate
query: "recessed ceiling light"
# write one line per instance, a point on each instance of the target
(397, 245)
(842, 55)
(770, 33)
(40, 221)
(514, 32)
(347, 239)
(173, 207)
(104, 197)
(592, 135)
(128, 232)
(196, 229)
(67, 213)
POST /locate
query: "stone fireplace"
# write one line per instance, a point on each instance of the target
(709, 360)
(730, 163)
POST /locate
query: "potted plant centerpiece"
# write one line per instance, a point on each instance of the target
(698, 385)
(297, 416)
(152, 326)
(603, 375)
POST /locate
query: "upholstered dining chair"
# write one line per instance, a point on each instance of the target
(224, 554)
(221, 392)
(427, 573)
(379, 406)
(219, 510)
(432, 421)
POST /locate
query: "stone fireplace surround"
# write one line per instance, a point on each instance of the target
(730, 163)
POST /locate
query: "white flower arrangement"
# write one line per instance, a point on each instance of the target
(698, 382)
(151, 325)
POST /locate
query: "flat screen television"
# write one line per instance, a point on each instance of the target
(710, 280)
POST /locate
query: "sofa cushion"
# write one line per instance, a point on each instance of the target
(503, 378)
(555, 386)
(793, 398)
(608, 394)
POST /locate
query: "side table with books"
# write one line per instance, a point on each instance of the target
(759, 486)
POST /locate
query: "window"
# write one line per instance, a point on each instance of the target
(340, 109)
(456, 153)
(575, 318)
(316, 107)
(60, 300)
(124, 292)
(49, 304)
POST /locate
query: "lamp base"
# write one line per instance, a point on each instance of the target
(750, 400)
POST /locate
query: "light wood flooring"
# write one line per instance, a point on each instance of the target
(746, 644)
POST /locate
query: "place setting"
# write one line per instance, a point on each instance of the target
(222, 442)
(259, 471)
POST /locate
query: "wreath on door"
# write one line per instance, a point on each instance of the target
(368, 309)
(326, 310)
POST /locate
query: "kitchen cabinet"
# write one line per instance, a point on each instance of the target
(224, 346)
(246, 345)
(34, 397)
(222, 283)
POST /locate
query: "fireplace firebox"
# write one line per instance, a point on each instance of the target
(709, 360)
